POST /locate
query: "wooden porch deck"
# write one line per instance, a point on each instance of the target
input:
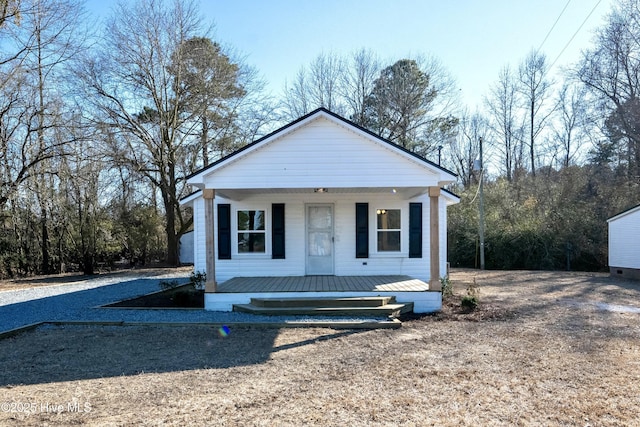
(323, 284)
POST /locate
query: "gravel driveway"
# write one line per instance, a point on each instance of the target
(83, 301)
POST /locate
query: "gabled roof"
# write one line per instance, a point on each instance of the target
(624, 213)
(452, 197)
(308, 117)
(189, 198)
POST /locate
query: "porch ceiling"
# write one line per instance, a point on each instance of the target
(403, 192)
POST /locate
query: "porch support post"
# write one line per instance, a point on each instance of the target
(434, 236)
(209, 195)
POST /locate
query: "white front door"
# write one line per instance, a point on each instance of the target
(319, 239)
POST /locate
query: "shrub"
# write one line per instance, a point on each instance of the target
(198, 279)
(447, 287)
(469, 302)
(471, 299)
(169, 284)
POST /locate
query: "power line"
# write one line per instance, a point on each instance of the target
(575, 34)
(554, 25)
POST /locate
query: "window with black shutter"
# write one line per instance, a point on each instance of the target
(415, 230)
(224, 231)
(362, 230)
(277, 230)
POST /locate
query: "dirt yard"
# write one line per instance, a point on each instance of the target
(544, 348)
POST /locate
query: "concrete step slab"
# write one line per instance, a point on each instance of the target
(388, 310)
(377, 301)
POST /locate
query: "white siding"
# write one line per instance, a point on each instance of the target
(346, 263)
(323, 154)
(624, 240)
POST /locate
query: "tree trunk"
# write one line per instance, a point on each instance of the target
(173, 256)
(87, 263)
(203, 140)
(45, 268)
(531, 150)
(168, 190)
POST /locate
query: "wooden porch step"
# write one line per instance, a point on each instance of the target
(377, 301)
(386, 310)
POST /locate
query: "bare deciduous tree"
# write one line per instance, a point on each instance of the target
(569, 127)
(33, 104)
(465, 148)
(137, 101)
(315, 86)
(534, 87)
(611, 73)
(144, 82)
(502, 103)
(361, 70)
(34, 117)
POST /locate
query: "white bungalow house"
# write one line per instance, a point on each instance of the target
(321, 207)
(624, 243)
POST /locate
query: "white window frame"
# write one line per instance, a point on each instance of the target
(237, 231)
(378, 230)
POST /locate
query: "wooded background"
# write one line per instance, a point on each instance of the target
(100, 125)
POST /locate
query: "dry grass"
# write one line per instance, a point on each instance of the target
(537, 352)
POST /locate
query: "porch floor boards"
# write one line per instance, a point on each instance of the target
(323, 284)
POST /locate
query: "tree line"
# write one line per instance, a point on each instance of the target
(564, 155)
(101, 123)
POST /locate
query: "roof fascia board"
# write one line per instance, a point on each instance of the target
(624, 213)
(187, 200)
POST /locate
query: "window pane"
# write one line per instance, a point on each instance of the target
(320, 217)
(388, 219)
(388, 241)
(251, 242)
(320, 243)
(251, 220)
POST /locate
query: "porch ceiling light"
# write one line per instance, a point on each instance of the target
(320, 190)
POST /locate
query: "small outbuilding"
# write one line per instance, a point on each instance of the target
(624, 244)
(186, 248)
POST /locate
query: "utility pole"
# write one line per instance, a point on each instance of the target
(481, 216)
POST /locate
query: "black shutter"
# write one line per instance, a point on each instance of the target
(277, 231)
(224, 231)
(362, 230)
(415, 230)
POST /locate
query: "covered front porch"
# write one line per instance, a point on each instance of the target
(405, 289)
(389, 283)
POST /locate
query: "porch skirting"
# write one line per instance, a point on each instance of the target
(240, 290)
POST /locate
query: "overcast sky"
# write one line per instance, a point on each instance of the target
(473, 39)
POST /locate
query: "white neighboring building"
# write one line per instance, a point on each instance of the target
(186, 248)
(320, 197)
(624, 244)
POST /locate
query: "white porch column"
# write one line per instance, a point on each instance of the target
(210, 230)
(434, 233)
